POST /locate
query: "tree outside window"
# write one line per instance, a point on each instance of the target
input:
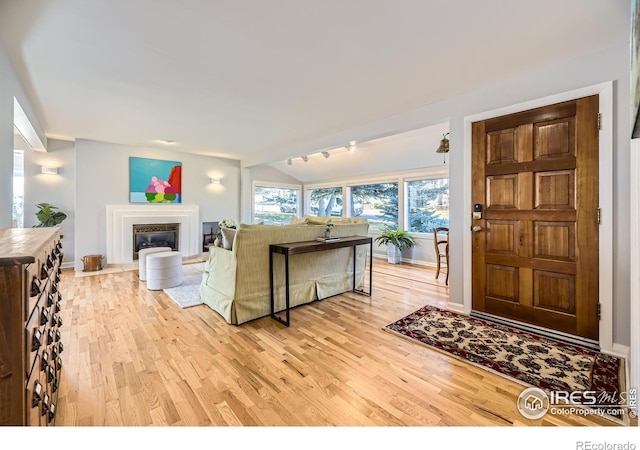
(376, 202)
(326, 202)
(428, 204)
(275, 205)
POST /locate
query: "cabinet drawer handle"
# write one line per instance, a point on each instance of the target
(59, 322)
(54, 320)
(50, 299)
(35, 287)
(54, 352)
(54, 288)
(44, 361)
(44, 317)
(58, 336)
(45, 404)
(57, 278)
(56, 309)
(37, 394)
(54, 385)
(36, 341)
(59, 363)
(50, 336)
(51, 374)
(60, 347)
(49, 262)
(43, 272)
(52, 412)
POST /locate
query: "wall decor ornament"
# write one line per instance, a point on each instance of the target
(154, 181)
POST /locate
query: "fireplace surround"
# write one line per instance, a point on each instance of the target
(121, 218)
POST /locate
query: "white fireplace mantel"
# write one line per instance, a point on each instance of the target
(121, 218)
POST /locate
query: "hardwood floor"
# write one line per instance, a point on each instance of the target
(134, 358)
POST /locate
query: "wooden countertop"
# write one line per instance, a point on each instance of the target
(19, 245)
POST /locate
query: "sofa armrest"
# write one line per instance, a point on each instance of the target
(220, 271)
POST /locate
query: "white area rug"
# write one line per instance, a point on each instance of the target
(188, 293)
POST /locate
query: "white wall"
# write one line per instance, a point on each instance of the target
(102, 178)
(58, 190)
(10, 88)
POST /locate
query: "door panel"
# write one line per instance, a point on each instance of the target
(535, 256)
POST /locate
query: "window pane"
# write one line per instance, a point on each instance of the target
(326, 201)
(275, 205)
(18, 188)
(428, 204)
(376, 202)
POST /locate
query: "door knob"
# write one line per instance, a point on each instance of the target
(476, 228)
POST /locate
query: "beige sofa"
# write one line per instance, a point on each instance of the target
(235, 282)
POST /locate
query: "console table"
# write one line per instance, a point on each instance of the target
(297, 248)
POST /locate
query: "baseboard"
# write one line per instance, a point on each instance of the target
(456, 308)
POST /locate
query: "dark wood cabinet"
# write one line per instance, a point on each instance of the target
(30, 348)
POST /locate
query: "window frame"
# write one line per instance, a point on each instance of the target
(274, 185)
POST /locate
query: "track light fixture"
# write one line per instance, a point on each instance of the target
(352, 146)
(289, 162)
(305, 158)
(326, 154)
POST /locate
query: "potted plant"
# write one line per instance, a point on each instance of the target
(49, 216)
(395, 240)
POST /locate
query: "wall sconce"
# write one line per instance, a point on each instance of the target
(214, 180)
(49, 170)
(444, 147)
(326, 154)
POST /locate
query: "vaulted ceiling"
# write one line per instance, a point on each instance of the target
(255, 79)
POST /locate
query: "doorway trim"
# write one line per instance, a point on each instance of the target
(605, 92)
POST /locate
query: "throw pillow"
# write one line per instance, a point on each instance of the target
(227, 237)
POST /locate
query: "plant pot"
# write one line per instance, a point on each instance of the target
(394, 256)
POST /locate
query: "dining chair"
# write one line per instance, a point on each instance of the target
(441, 244)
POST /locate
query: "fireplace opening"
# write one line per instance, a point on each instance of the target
(155, 235)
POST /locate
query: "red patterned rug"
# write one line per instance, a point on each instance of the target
(526, 358)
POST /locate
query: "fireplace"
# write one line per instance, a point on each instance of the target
(121, 218)
(151, 235)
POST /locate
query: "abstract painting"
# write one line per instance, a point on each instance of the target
(154, 181)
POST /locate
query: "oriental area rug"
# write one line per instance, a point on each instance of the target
(528, 359)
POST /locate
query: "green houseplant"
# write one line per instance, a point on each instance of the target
(396, 241)
(48, 215)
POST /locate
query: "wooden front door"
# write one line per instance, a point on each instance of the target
(535, 247)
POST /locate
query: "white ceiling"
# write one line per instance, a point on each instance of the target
(255, 79)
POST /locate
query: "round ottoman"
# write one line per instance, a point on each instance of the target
(164, 270)
(142, 259)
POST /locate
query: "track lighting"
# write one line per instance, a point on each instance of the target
(305, 158)
(289, 162)
(352, 146)
(326, 154)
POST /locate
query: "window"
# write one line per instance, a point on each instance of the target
(376, 202)
(427, 204)
(18, 188)
(326, 201)
(274, 205)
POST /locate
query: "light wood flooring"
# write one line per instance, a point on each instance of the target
(134, 358)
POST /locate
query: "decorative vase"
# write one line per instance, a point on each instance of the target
(327, 234)
(394, 256)
(217, 242)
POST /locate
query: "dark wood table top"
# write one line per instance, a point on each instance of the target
(294, 248)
